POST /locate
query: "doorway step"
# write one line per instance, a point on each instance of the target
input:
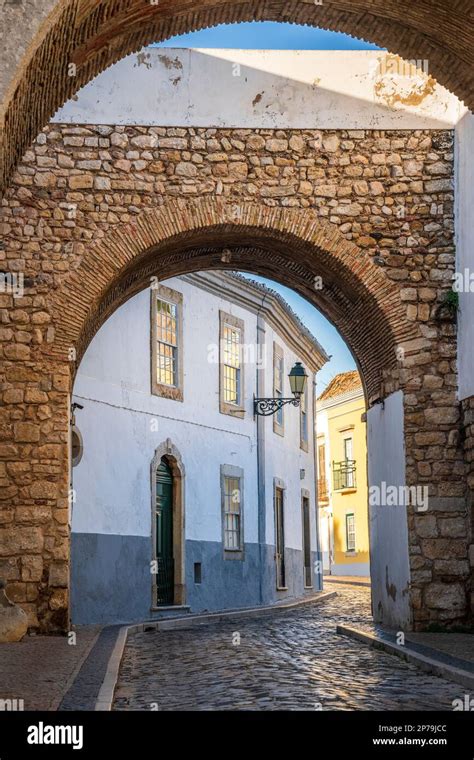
(171, 610)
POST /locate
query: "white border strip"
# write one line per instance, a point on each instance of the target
(105, 696)
(424, 662)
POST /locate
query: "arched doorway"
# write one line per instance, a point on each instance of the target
(163, 534)
(69, 42)
(168, 524)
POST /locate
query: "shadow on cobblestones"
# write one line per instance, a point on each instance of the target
(292, 660)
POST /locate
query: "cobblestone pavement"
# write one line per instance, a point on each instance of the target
(289, 660)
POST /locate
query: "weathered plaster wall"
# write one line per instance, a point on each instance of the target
(464, 144)
(283, 89)
(464, 216)
(20, 22)
(389, 557)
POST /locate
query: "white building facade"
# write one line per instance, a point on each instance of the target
(183, 497)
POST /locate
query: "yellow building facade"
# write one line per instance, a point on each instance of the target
(342, 477)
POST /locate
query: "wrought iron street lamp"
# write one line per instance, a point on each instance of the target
(297, 378)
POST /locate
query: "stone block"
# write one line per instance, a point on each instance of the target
(445, 596)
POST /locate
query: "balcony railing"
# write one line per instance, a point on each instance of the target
(323, 490)
(344, 474)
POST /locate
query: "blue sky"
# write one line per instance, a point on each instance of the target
(322, 329)
(270, 35)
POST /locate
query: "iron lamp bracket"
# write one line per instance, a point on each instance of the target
(267, 406)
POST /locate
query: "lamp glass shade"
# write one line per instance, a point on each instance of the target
(298, 378)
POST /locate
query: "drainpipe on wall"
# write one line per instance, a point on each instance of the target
(262, 505)
(319, 576)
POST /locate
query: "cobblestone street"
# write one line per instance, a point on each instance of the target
(289, 660)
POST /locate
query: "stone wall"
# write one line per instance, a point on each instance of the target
(77, 217)
(43, 40)
(388, 193)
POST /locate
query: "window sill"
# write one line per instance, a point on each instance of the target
(345, 491)
(169, 392)
(236, 554)
(282, 588)
(231, 410)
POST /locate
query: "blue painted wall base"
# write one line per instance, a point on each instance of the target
(111, 580)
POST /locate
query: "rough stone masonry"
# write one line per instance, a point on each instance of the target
(77, 211)
(44, 37)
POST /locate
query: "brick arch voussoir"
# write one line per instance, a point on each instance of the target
(121, 263)
(93, 36)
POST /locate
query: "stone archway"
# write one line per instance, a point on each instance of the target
(54, 50)
(293, 246)
(173, 458)
(288, 245)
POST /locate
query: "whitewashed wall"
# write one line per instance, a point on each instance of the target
(283, 456)
(114, 379)
(389, 561)
(325, 518)
(260, 88)
(120, 415)
(464, 221)
(122, 424)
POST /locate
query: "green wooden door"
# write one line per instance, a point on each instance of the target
(164, 535)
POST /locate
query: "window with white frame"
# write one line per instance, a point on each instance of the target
(167, 339)
(304, 420)
(167, 343)
(231, 372)
(278, 374)
(323, 487)
(232, 514)
(350, 533)
(231, 356)
(232, 511)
